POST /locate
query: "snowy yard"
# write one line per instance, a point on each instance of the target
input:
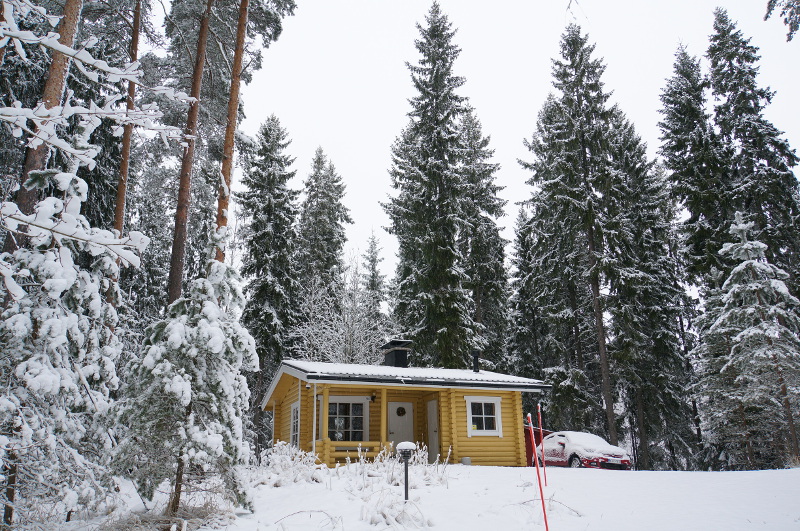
(471, 497)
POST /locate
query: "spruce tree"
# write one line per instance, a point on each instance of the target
(555, 276)
(572, 171)
(750, 355)
(645, 305)
(427, 215)
(482, 246)
(373, 282)
(694, 156)
(268, 240)
(760, 161)
(321, 232)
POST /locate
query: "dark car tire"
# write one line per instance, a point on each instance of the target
(575, 462)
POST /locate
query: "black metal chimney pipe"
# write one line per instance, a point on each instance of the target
(476, 364)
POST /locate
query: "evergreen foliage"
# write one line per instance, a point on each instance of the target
(57, 336)
(321, 233)
(268, 241)
(645, 304)
(789, 10)
(759, 160)
(482, 246)
(186, 399)
(373, 282)
(434, 308)
(694, 156)
(750, 352)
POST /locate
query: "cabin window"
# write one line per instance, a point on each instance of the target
(348, 418)
(294, 428)
(483, 416)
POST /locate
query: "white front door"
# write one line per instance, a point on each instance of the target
(433, 430)
(401, 422)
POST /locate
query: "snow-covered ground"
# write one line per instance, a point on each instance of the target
(508, 499)
(495, 498)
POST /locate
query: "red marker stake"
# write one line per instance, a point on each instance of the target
(541, 441)
(538, 476)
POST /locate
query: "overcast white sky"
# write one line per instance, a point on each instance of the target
(337, 78)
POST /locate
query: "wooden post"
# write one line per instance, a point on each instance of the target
(453, 425)
(326, 441)
(384, 436)
(275, 423)
(519, 428)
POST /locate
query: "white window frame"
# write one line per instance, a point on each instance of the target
(335, 399)
(294, 425)
(497, 401)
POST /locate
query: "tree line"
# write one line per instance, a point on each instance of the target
(139, 330)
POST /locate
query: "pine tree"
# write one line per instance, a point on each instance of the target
(58, 327)
(693, 154)
(321, 232)
(749, 349)
(268, 241)
(482, 246)
(185, 404)
(434, 307)
(760, 161)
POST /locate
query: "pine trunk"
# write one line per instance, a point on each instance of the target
(230, 129)
(174, 286)
(175, 498)
(127, 135)
(36, 158)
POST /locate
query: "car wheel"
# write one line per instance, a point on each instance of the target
(574, 462)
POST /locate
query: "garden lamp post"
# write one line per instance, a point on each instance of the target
(405, 449)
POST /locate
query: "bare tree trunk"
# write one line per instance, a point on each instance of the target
(695, 412)
(11, 490)
(601, 340)
(230, 129)
(175, 498)
(2, 48)
(36, 159)
(787, 409)
(174, 286)
(641, 426)
(127, 135)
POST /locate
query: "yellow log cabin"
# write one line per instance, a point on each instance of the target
(475, 414)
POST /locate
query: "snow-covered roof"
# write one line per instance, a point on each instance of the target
(320, 372)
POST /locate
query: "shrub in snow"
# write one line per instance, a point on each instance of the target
(187, 397)
(287, 464)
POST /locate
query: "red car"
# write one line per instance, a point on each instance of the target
(576, 449)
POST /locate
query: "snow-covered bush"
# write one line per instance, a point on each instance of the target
(372, 482)
(286, 464)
